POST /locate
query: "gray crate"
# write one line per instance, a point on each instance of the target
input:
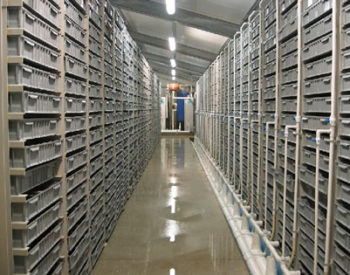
(21, 74)
(94, 13)
(318, 29)
(341, 236)
(74, 30)
(78, 233)
(95, 47)
(315, 9)
(94, 32)
(287, 120)
(95, 91)
(76, 195)
(75, 105)
(23, 18)
(289, 61)
(75, 142)
(269, 68)
(308, 211)
(76, 161)
(77, 214)
(288, 23)
(95, 105)
(317, 105)
(344, 127)
(78, 253)
(345, 60)
(344, 148)
(318, 67)
(270, 81)
(289, 76)
(95, 120)
(74, 86)
(96, 179)
(346, 38)
(289, 105)
(96, 194)
(75, 67)
(49, 261)
(30, 156)
(313, 123)
(95, 150)
(23, 264)
(95, 61)
(76, 178)
(319, 86)
(96, 208)
(269, 93)
(46, 9)
(25, 47)
(309, 158)
(289, 90)
(96, 164)
(74, 49)
(25, 236)
(289, 46)
(346, 15)
(36, 202)
(319, 47)
(342, 215)
(342, 258)
(309, 141)
(33, 178)
(34, 103)
(345, 82)
(95, 76)
(74, 124)
(344, 105)
(308, 177)
(343, 193)
(269, 44)
(285, 4)
(73, 13)
(344, 172)
(96, 135)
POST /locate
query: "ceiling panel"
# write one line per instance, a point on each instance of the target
(229, 10)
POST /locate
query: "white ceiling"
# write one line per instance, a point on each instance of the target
(228, 10)
(160, 27)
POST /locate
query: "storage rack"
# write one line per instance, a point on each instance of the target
(83, 119)
(287, 179)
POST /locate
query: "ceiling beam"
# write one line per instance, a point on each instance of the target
(179, 64)
(185, 17)
(166, 71)
(180, 48)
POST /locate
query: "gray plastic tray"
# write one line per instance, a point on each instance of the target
(313, 123)
(74, 49)
(75, 124)
(309, 157)
(75, 86)
(312, 10)
(317, 105)
(76, 195)
(289, 46)
(318, 67)
(76, 178)
(318, 29)
(74, 30)
(289, 61)
(342, 215)
(289, 105)
(344, 148)
(344, 127)
(76, 161)
(319, 47)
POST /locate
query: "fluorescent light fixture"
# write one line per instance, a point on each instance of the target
(173, 72)
(173, 78)
(173, 62)
(172, 43)
(170, 6)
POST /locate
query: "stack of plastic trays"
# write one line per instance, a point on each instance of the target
(237, 109)
(76, 59)
(342, 228)
(254, 74)
(317, 68)
(245, 116)
(268, 104)
(288, 108)
(230, 72)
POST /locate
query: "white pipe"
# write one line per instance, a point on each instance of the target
(317, 182)
(333, 121)
(298, 131)
(268, 124)
(252, 168)
(286, 134)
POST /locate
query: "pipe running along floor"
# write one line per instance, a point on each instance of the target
(172, 223)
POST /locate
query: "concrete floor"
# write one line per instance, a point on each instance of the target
(172, 223)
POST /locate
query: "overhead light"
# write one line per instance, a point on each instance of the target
(173, 72)
(173, 78)
(173, 62)
(172, 43)
(170, 6)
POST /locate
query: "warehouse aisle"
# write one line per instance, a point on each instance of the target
(172, 223)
